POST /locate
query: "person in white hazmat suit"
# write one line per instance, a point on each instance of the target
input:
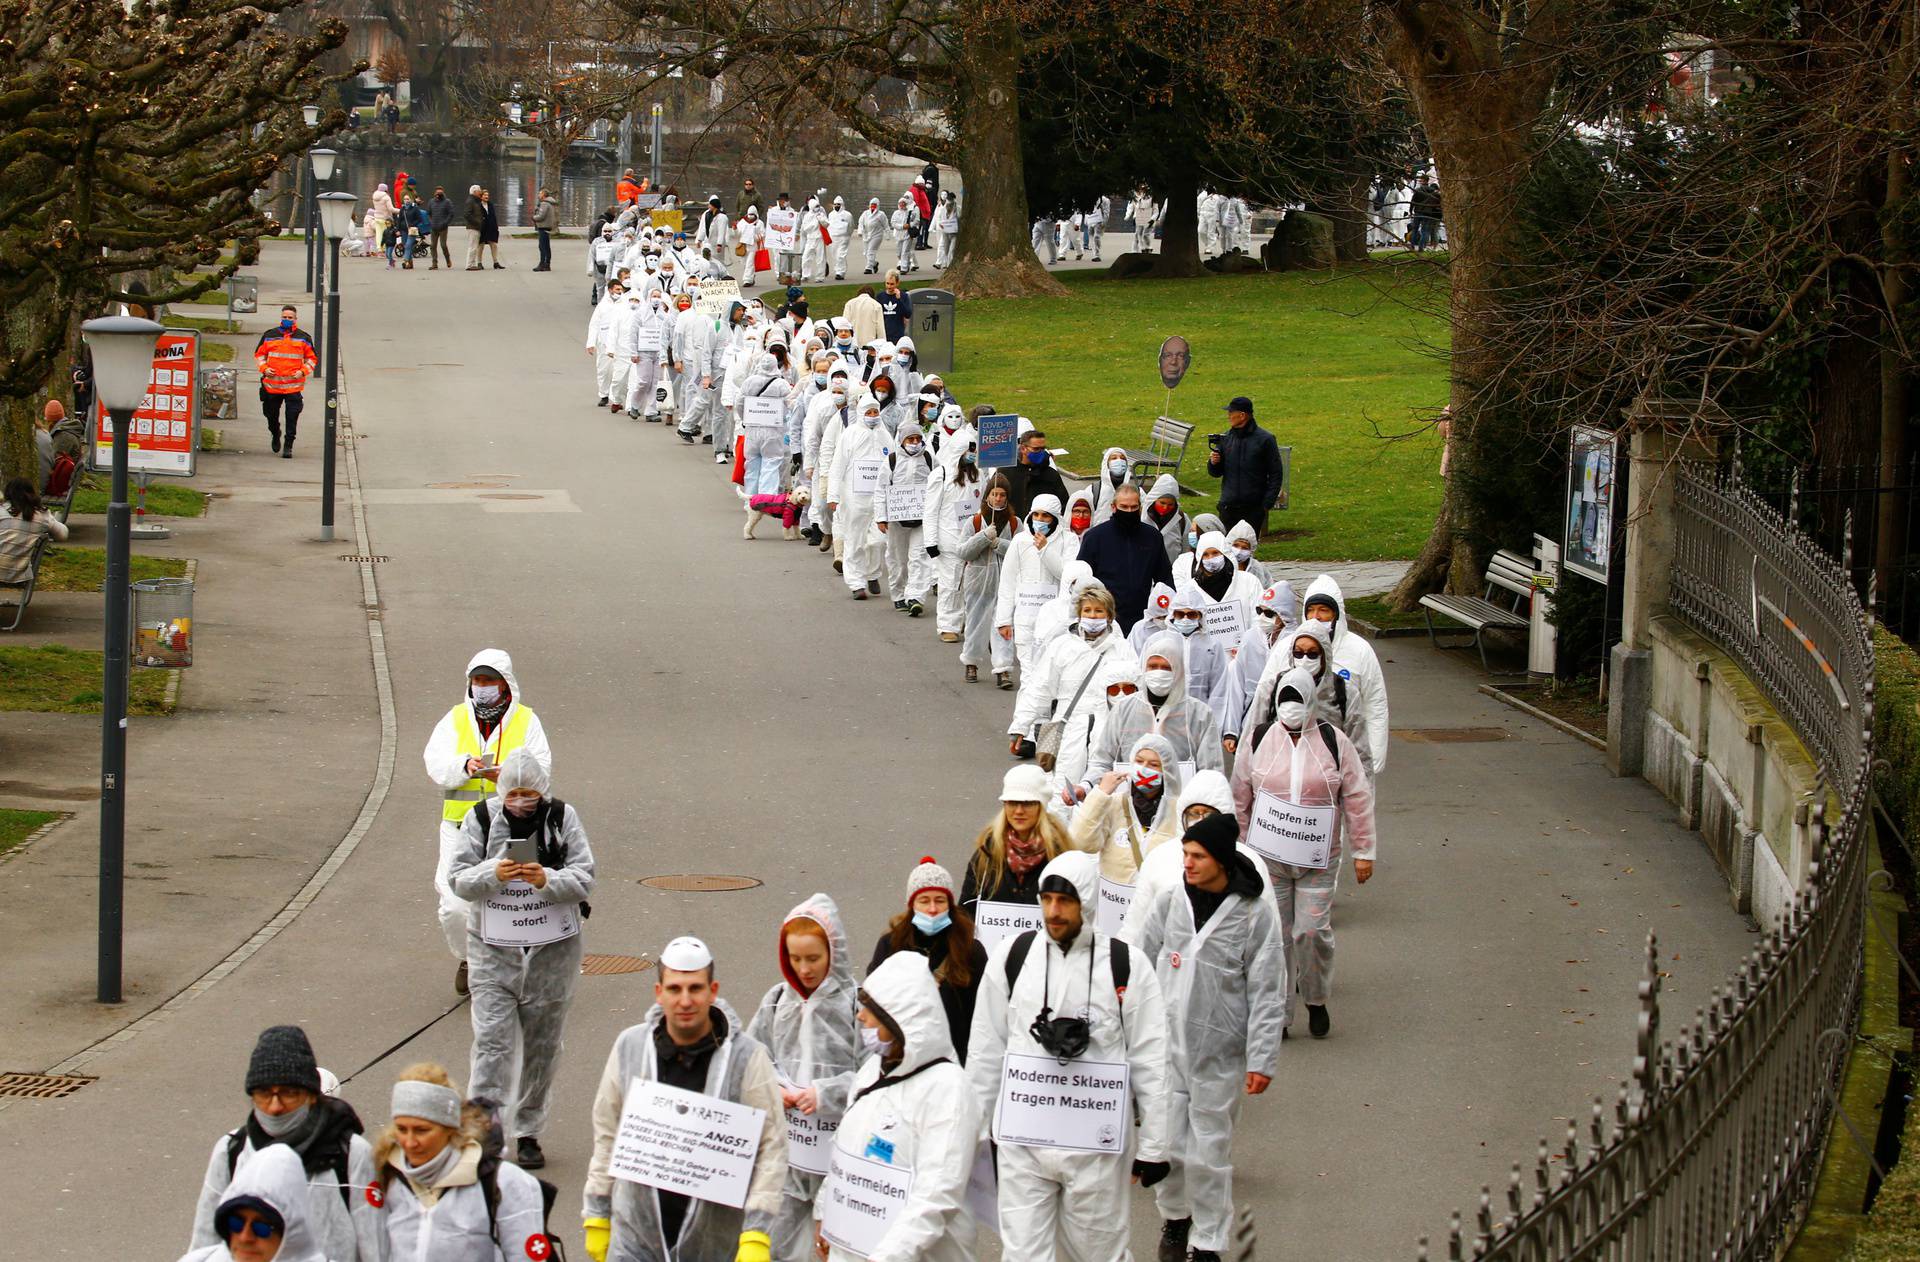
(902, 225)
(840, 228)
(1128, 814)
(1234, 693)
(813, 247)
(600, 344)
(443, 1197)
(990, 535)
(873, 230)
(1241, 541)
(703, 364)
(749, 232)
(645, 346)
(691, 1039)
(899, 513)
(1354, 692)
(1153, 619)
(522, 979)
(766, 441)
(1114, 474)
(1208, 793)
(1029, 578)
(1221, 957)
(1163, 513)
(1206, 656)
(1304, 761)
(1164, 707)
(269, 1196)
(911, 1111)
(620, 322)
(464, 756)
(1062, 684)
(806, 1023)
(953, 501)
(828, 415)
(292, 1112)
(859, 462)
(1144, 212)
(1059, 613)
(1103, 1011)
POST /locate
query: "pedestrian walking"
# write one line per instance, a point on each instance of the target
(334, 1161)
(284, 355)
(903, 235)
(264, 1216)
(1246, 459)
(859, 460)
(1127, 555)
(692, 1040)
(601, 346)
(899, 513)
(946, 230)
(546, 219)
(525, 864)
(1003, 870)
(935, 926)
(873, 229)
(475, 218)
(464, 756)
(1059, 687)
(439, 223)
(1353, 690)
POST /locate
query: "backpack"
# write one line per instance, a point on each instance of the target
(1118, 954)
(488, 1176)
(60, 477)
(237, 1142)
(1326, 731)
(550, 849)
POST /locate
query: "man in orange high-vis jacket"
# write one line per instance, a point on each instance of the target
(284, 355)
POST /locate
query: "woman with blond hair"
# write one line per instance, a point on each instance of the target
(445, 1195)
(1016, 843)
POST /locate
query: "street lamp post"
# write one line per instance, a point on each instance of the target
(122, 349)
(321, 163)
(336, 212)
(310, 113)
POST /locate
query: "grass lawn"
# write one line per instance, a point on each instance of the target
(56, 680)
(1374, 609)
(85, 569)
(216, 353)
(17, 826)
(203, 324)
(1334, 363)
(163, 498)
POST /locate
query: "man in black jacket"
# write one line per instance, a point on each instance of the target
(1127, 556)
(475, 219)
(1247, 462)
(439, 221)
(1034, 474)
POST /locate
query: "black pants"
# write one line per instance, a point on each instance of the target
(1231, 513)
(546, 248)
(272, 404)
(437, 248)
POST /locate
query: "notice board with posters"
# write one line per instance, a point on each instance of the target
(1587, 548)
(166, 427)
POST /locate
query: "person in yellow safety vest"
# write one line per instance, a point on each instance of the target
(464, 756)
(284, 355)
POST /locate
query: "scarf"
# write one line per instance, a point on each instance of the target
(428, 1174)
(488, 715)
(1214, 585)
(1024, 856)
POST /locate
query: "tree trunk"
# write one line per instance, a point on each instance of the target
(1180, 245)
(993, 257)
(1349, 204)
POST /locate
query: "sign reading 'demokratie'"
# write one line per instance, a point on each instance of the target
(685, 1142)
(1080, 1105)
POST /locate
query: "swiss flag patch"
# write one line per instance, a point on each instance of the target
(374, 1198)
(538, 1248)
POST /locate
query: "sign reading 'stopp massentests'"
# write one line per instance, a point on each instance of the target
(685, 1142)
(1081, 1105)
(863, 1198)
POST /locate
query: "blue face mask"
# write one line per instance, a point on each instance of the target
(286, 326)
(819, 379)
(1037, 457)
(931, 924)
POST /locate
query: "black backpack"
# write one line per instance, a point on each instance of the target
(551, 849)
(1326, 732)
(488, 1176)
(1118, 954)
(237, 1142)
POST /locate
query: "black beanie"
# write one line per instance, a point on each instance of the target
(283, 1058)
(1216, 834)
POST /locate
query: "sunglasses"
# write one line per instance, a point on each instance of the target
(1311, 655)
(260, 1228)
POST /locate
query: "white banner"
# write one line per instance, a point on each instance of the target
(781, 227)
(647, 339)
(1287, 832)
(716, 296)
(906, 501)
(763, 412)
(1114, 899)
(520, 915)
(1228, 619)
(685, 1142)
(994, 921)
(1033, 597)
(863, 1198)
(866, 475)
(1081, 1105)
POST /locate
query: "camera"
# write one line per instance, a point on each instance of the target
(1214, 441)
(1064, 1038)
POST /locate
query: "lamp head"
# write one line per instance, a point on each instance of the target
(336, 214)
(311, 113)
(122, 349)
(323, 160)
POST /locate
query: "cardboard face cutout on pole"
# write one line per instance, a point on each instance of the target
(1175, 358)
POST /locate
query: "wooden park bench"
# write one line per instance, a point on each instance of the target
(1166, 445)
(1508, 572)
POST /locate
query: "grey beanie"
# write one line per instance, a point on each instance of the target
(283, 1058)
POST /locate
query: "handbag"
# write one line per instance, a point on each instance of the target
(740, 249)
(1053, 731)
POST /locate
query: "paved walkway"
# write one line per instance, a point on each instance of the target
(719, 706)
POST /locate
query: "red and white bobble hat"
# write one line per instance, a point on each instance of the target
(929, 875)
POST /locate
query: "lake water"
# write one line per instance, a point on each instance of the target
(586, 189)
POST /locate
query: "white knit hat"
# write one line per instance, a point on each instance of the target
(928, 875)
(1024, 783)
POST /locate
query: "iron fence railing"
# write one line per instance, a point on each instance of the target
(1711, 1145)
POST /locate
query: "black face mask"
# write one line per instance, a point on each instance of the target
(1127, 516)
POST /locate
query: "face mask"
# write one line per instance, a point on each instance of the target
(872, 1039)
(1159, 682)
(283, 1124)
(912, 449)
(1311, 663)
(819, 379)
(486, 694)
(1042, 527)
(931, 924)
(844, 346)
(1243, 557)
(870, 420)
(840, 398)
(1292, 713)
(1145, 778)
(966, 457)
(286, 325)
(1118, 468)
(1193, 540)
(1267, 621)
(1213, 564)
(1093, 628)
(1126, 516)
(1037, 457)
(1185, 626)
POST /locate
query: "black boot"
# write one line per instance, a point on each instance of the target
(1318, 1023)
(1173, 1239)
(286, 448)
(527, 1154)
(274, 430)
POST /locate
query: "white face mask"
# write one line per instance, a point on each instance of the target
(1159, 682)
(1116, 467)
(872, 1039)
(1185, 626)
(1267, 621)
(1243, 557)
(486, 694)
(1213, 564)
(1093, 628)
(1292, 713)
(870, 419)
(912, 449)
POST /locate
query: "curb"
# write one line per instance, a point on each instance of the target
(20, 848)
(1533, 711)
(171, 698)
(1385, 633)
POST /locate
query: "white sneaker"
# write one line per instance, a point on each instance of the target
(721, 457)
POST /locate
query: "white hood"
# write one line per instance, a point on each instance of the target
(904, 989)
(275, 1176)
(1080, 869)
(497, 661)
(1327, 586)
(1207, 788)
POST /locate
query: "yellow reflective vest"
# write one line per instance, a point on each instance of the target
(466, 734)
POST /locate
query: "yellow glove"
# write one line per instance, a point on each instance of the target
(755, 1246)
(599, 1236)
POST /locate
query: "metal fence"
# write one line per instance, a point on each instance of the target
(1845, 508)
(1710, 1147)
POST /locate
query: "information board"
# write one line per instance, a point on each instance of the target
(166, 427)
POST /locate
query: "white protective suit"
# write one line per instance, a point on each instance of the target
(1054, 1201)
(1234, 693)
(1029, 578)
(1225, 984)
(1243, 588)
(1166, 865)
(446, 763)
(813, 248)
(920, 1116)
(1111, 825)
(859, 463)
(645, 347)
(766, 446)
(346, 1226)
(274, 1177)
(1206, 656)
(982, 556)
(620, 324)
(1153, 619)
(840, 228)
(1304, 896)
(873, 230)
(908, 573)
(749, 233)
(1182, 719)
(951, 506)
(1354, 695)
(1059, 613)
(521, 993)
(1240, 534)
(600, 342)
(1173, 531)
(828, 413)
(902, 224)
(1049, 694)
(1106, 483)
(741, 1071)
(451, 1224)
(702, 356)
(1142, 210)
(814, 1042)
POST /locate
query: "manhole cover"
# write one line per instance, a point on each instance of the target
(485, 496)
(610, 965)
(42, 1086)
(465, 486)
(1450, 735)
(699, 883)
